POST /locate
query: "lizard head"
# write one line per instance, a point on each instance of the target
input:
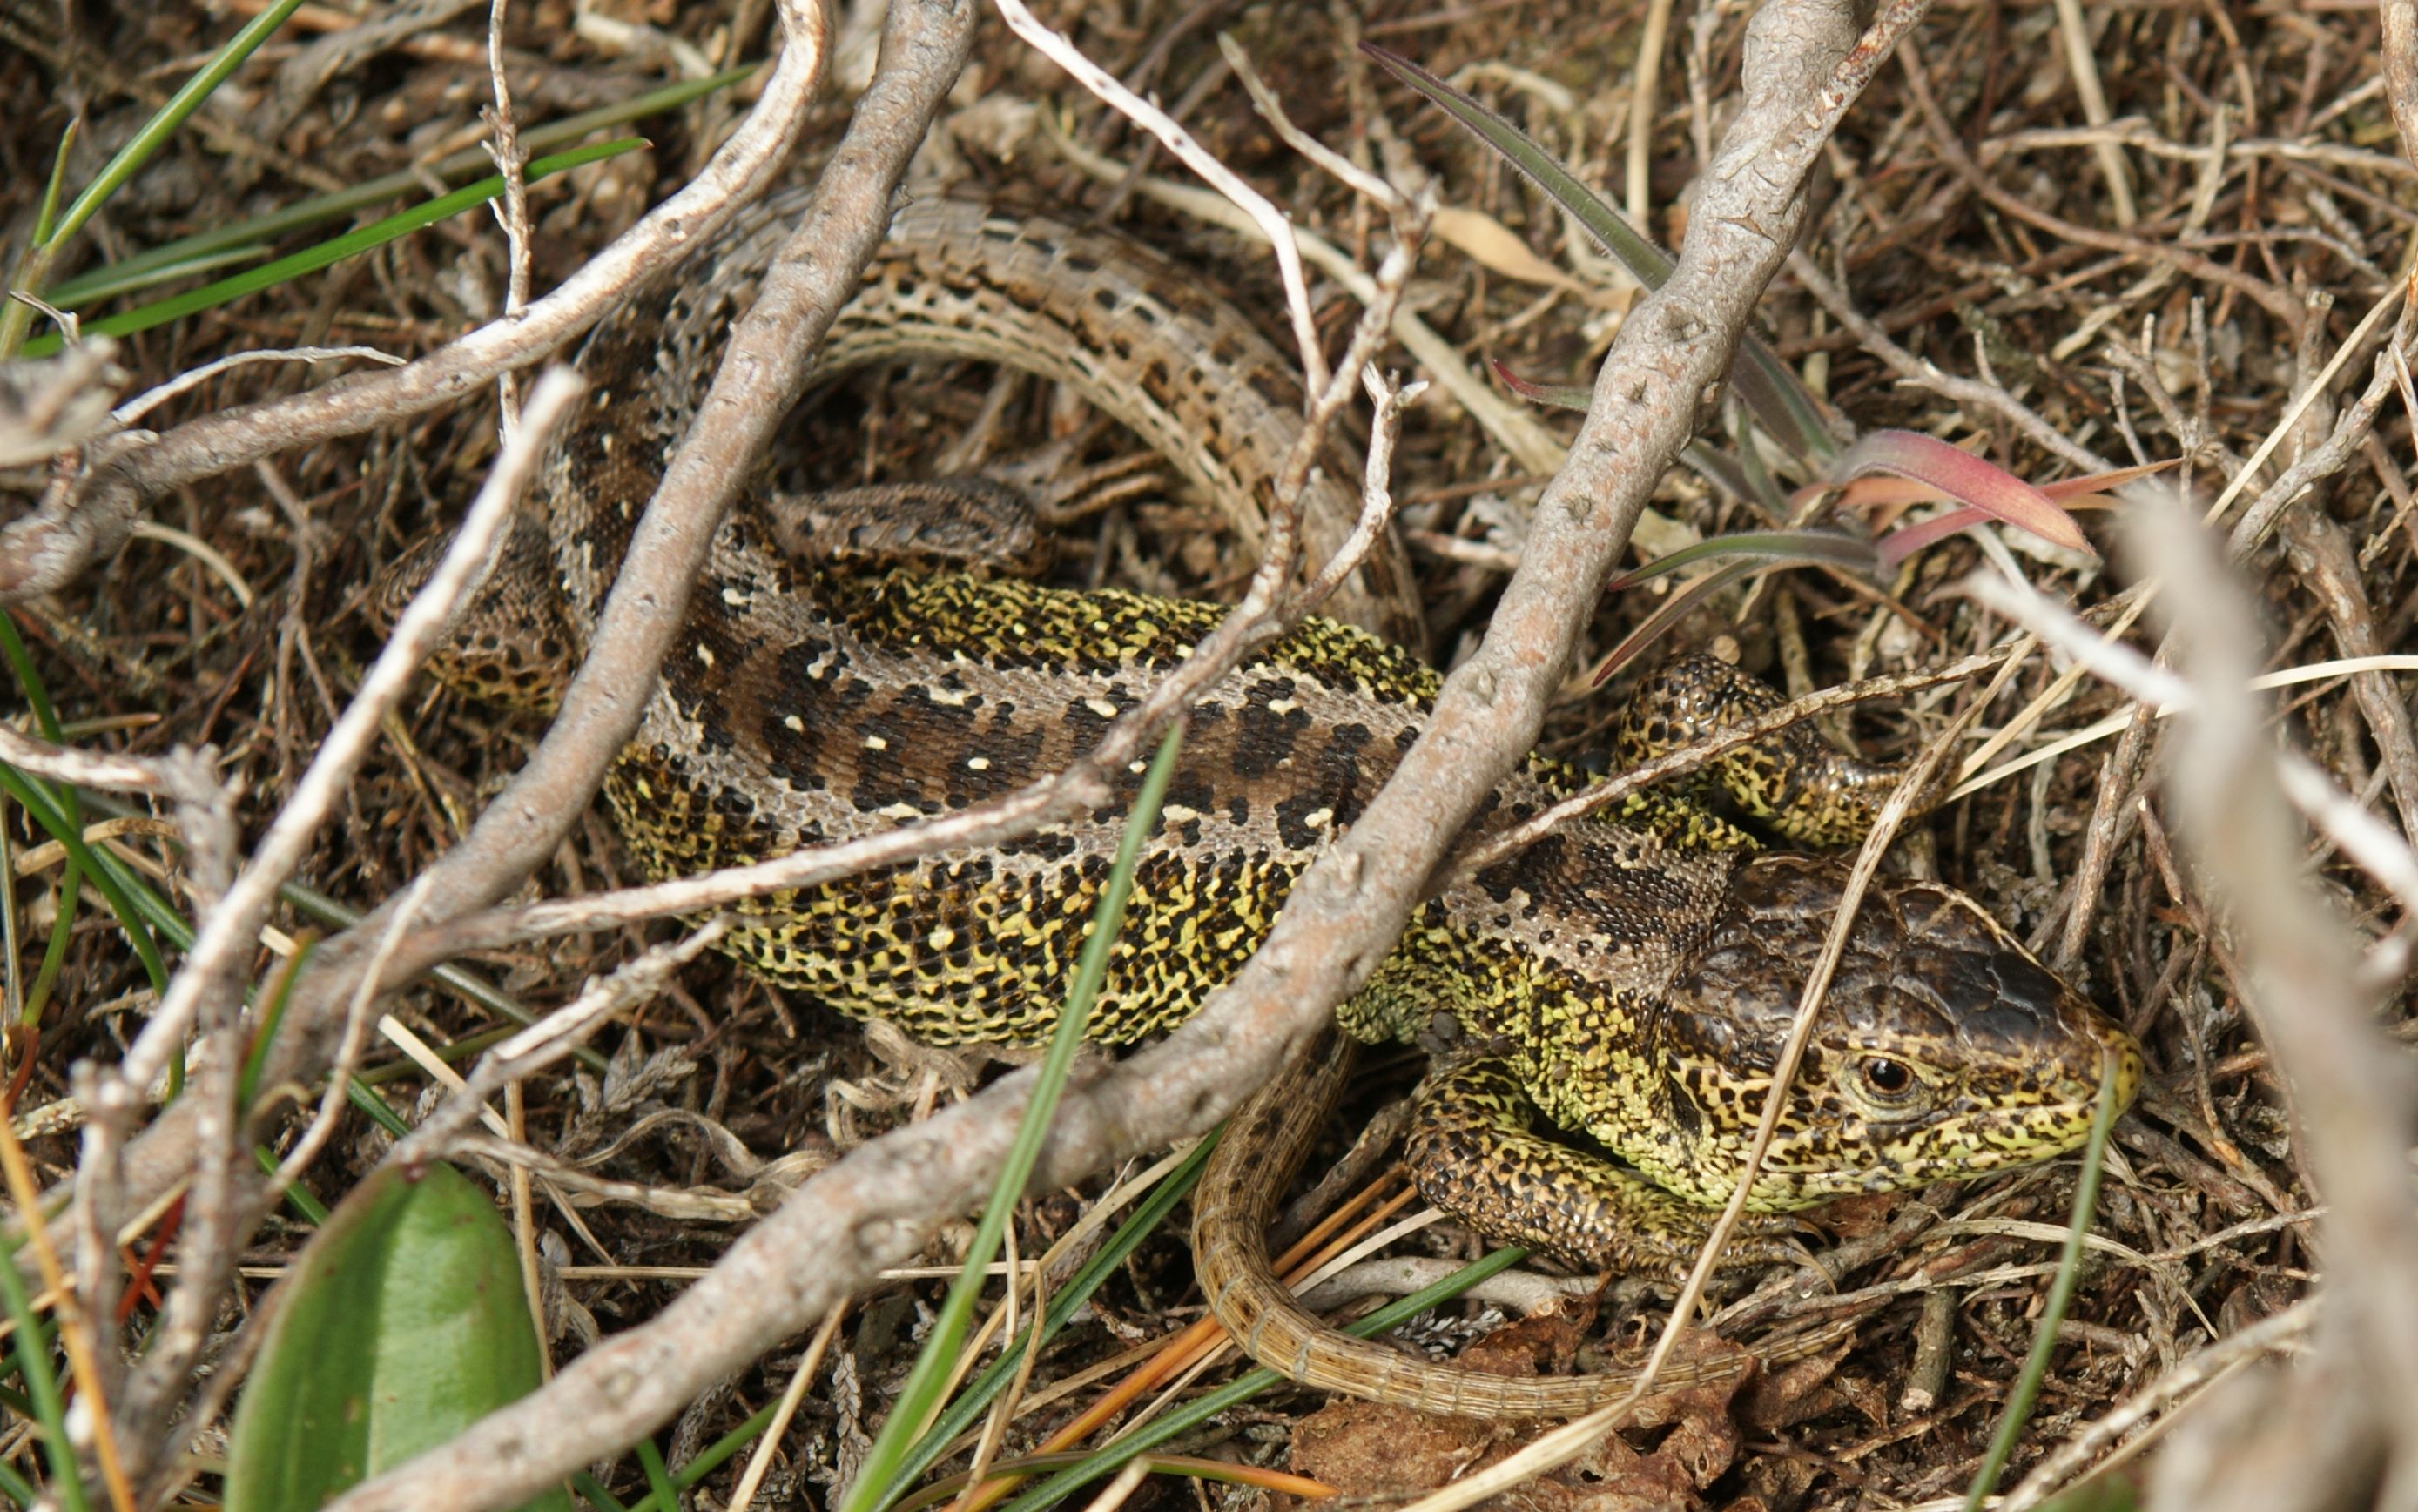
(1942, 1050)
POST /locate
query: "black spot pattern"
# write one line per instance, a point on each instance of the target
(1273, 723)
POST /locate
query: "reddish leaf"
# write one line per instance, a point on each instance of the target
(1980, 484)
(1564, 395)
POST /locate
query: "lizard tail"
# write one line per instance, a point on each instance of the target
(1253, 1163)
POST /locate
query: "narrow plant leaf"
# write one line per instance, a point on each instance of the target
(45, 1404)
(95, 287)
(1657, 624)
(143, 318)
(1560, 395)
(1716, 466)
(1743, 555)
(34, 261)
(1772, 392)
(2018, 1409)
(1763, 548)
(247, 238)
(47, 216)
(1880, 490)
(1724, 471)
(1646, 263)
(404, 1322)
(1111, 1457)
(165, 121)
(1958, 475)
(1225, 1471)
(2108, 1490)
(107, 872)
(1902, 542)
(976, 1397)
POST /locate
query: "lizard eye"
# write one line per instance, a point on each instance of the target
(1884, 1078)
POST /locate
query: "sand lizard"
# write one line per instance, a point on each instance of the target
(1622, 977)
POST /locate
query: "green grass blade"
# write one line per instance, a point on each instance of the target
(271, 1015)
(2060, 1296)
(1112, 1458)
(37, 801)
(34, 263)
(1771, 548)
(920, 1396)
(163, 123)
(1682, 600)
(42, 1386)
(55, 950)
(29, 679)
(1646, 263)
(323, 909)
(713, 1457)
(247, 238)
(660, 1490)
(1219, 1471)
(46, 718)
(16, 1487)
(117, 278)
(976, 1398)
(376, 234)
(310, 1209)
(47, 216)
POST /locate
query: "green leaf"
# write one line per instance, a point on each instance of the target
(2018, 1408)
(1110, 1457)
(1716, 466)
(2109, 1492)
(404, 1322)
(976, 1397)
(1739, 556)
(32, 1341)
(1658, 623)
(163, 123)
(1770, 548)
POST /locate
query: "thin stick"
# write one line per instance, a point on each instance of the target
(1270, 220)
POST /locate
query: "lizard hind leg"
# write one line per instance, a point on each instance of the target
(509, 642)
(1474, 1153)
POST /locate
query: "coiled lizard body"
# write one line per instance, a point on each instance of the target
(1626, 977)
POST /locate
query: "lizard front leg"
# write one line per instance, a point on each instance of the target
(1474, 1153)
(1802, 789)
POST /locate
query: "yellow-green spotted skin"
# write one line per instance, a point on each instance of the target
(1629, 977)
